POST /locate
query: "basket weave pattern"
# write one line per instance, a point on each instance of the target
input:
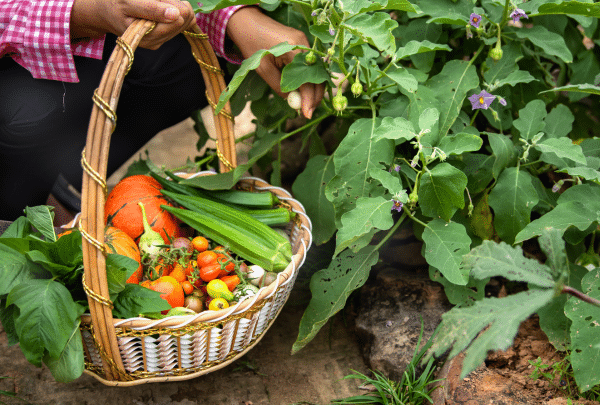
(122, 352)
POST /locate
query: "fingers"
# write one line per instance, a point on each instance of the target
(311, 95)
(161, 12)
(166, 30)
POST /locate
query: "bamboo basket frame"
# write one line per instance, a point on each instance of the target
(188, 346)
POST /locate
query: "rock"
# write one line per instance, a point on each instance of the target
(388, 322)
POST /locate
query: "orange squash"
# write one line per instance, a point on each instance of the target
(117, 241)
(122, 210)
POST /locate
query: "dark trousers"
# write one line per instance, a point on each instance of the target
(43, 123)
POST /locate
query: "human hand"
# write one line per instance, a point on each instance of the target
(251, 31)
(92, 18)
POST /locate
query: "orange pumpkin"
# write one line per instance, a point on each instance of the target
(122, 210)
(117, 241)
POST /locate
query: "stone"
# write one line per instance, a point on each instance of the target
(393, 302)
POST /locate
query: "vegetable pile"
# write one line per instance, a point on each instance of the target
(179, 250)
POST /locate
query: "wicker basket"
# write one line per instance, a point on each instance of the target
(123, 352)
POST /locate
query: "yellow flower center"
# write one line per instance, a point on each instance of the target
(475, 19)
(481, 100)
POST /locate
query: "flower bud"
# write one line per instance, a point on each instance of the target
(496, 53)
(339, 102)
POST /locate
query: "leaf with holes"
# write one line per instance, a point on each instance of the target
(330, 289)
(585, 333)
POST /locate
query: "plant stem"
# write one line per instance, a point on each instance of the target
(505, 13)
(392, 230)
(583, 297)
(307, 125)
(418, 221)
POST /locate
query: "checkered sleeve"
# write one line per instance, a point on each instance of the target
(214, 24)
(35, 33)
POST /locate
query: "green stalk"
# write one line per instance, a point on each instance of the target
(392, 230)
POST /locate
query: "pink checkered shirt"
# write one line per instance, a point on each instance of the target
(35, 33)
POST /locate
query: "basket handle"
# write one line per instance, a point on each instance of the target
(94, 161)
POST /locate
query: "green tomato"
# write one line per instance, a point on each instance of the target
(310, 58)
(339, 102)
(356, 89)
(496, 53)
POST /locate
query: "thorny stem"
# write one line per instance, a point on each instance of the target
(583, 297)
(505, 13)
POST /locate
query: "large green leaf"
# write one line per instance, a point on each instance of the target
(331, 288)
(398, 129)
(418, 47)
(354, 158)
(368, 214)
(446, 12)
(585, 332)
(309, 189)
(559, 122)
(365, 6)
(562, 148)
(503, 150)
(451, 86)
(500, 70)
(512, 200)
(135, 300)
(578, 88)
(499, 319)
(460, 143)
(15, 268)
(403, 79)
(70, 364)
(550, 42)
(445, 245)
(41, 217)
(297, 72)
(376, 29)
(516, 77)
(248, 65)
(531, 119)
(545, 7)
(565, 215)
(491, 259)
(47, 315)
(441, 191)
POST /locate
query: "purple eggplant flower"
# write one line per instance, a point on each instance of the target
(517, 14)
(481, 100)
(397, 205)
(475, 20)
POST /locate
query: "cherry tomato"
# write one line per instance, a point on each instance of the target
(205, 258)
(200, 243)
(210, 272)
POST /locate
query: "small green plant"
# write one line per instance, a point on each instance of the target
(248, 365)
(413, 389)
(560, 375)
(10, 394)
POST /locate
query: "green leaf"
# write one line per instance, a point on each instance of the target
(565, 215)
(461, 328)
(418, 47)
(451, 86)
(375, 29)
(515, 77)
(585, 329)
(563, 7)
(47, 315)
(461, 295)
(500, 70)
(491, 259)
(70, 364)
(368, 214)
(15, 268)
(578, 88)
(403, 79)
(118, 269)
(563, 148)
(365, 6)
(550, 42)
(503, 150)
(297, 72)
(531, 119)
(18, 229)
(331, 288)
(445, 245)
(354, 158)
(397, 128)
(428, 118)
(309, 189)
(583, 172)
(460, 143)
(512, 200)
(42, 218)
(135, 300)
(559, 122)
(247, 65)
(553, 246)
(441, 191)
(207, 6)
(7, 318)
